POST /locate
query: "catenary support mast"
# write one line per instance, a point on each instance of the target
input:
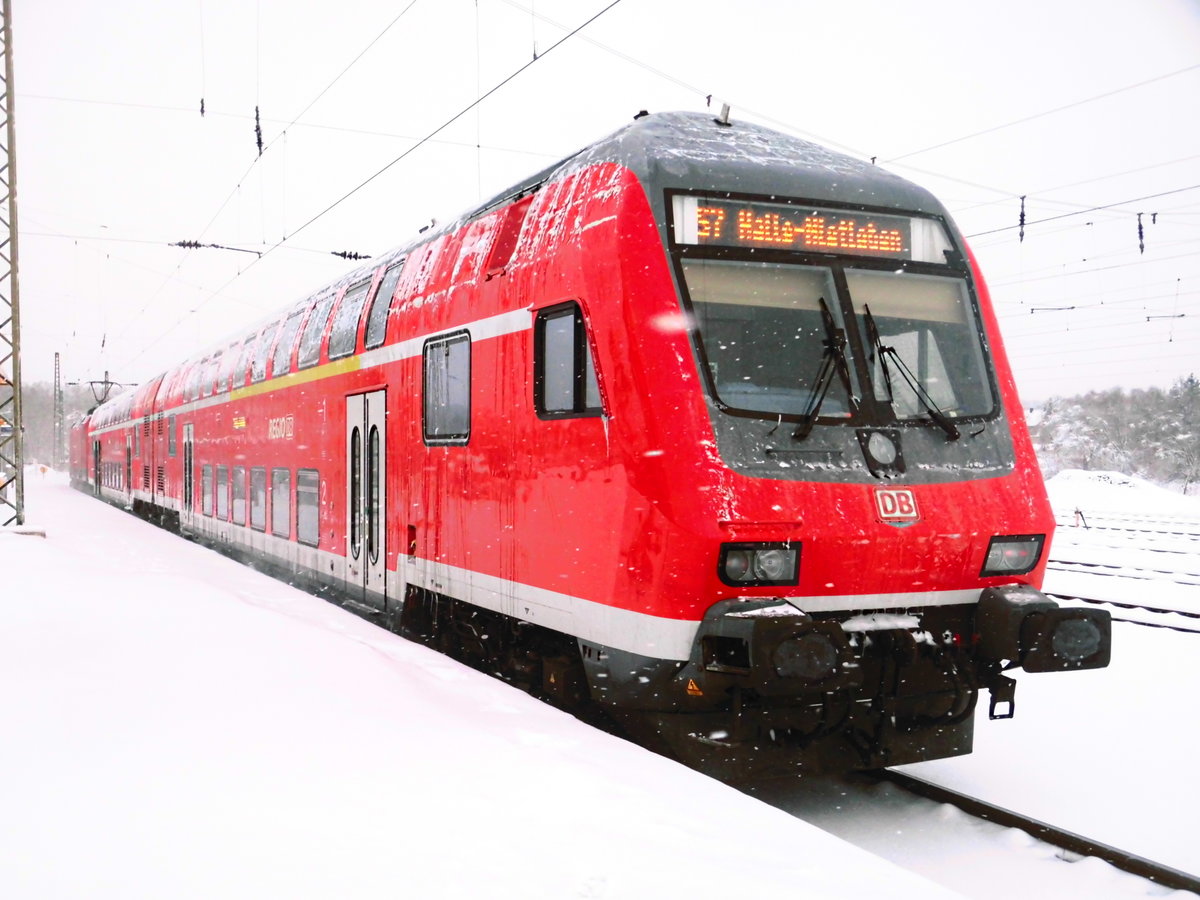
(58, 456)
(12, 477)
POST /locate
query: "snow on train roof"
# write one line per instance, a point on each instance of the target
(688, 149)
(694, 150)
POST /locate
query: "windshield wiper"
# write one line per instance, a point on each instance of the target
(832, 360)
(881, 352)
(878, 352)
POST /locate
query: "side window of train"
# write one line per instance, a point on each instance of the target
(378, 316)
(258, 371)
(191, 390)
(243, 362)
(210, 382)
(206, 490)
(308, 525)
(225, 373)
(564, 376)
(239, 495)
(314, 330)
(447, 389)
(344, 335)
(258, 498)
(223, 493)
(281, 364)
(281, 502)
(170, 435)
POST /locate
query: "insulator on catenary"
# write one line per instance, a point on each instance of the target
(1021, 221)
(202, 107)
(1141, 236)
(350, 254)
(258, 131)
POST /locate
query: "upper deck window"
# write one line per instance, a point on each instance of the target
(344, 336)
(281, 364)
(314, 330)
(266, 338)
(381, 305)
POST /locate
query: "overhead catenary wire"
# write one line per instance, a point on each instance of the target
(1080, 212)
(533, 18)
(421, 142)
(1043, 114)
(263, 147)
(446, 124)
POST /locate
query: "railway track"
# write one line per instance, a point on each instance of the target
(1068, 841)
(1136, 573)
(1182, 526)
(1119, 559)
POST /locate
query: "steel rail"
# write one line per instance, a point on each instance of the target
(1050, 834)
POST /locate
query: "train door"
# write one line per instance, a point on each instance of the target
(96, 482)
(129, 470)
(189, 475)
(366, 499)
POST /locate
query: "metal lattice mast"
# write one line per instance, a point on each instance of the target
(57, 456)
(12, 476)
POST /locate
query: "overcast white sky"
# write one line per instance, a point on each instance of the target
(1089, 109)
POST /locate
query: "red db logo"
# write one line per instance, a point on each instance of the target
(896, 505)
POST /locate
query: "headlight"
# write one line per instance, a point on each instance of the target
(759, 564)
(1013, 554)
(1076, 639)
(809, 657)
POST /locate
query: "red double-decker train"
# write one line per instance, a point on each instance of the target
(706, 425)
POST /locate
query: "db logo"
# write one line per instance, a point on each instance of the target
(896, 505)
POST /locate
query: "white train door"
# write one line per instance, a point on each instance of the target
(366, 499)
(129, 471)
(189, 475)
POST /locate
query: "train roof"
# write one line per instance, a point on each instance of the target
(695, 151)
(670, 150)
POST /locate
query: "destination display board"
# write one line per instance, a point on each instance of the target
(738, 223)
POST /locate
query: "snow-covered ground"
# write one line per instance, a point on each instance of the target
(1123, 540)
(1109, 753)
(173, 724)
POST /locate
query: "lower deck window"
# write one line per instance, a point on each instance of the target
(222, 493)
(308, 527)
(239, 495)
(258, 498)
(281, 502)
(206, 490)
(447, 390)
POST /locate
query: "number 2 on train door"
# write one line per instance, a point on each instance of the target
(366, 499)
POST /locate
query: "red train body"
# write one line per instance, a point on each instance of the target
(707, 424)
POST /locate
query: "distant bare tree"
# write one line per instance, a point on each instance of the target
(1151, 433)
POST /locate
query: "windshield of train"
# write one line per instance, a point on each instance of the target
(922, 344)
(765, 335)
(813, 336)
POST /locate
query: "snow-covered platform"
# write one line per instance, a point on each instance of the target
(177, 725)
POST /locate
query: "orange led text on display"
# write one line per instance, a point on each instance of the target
(813, 232)
(709, 220)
